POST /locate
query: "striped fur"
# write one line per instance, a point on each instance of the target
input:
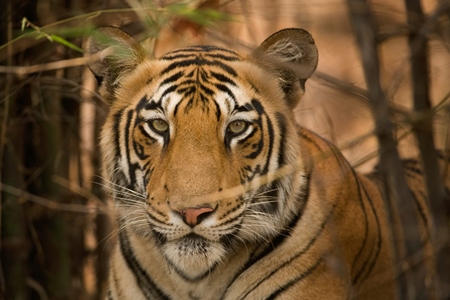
(220, 195)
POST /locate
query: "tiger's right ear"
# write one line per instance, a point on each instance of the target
(113, 53)
(291, 55)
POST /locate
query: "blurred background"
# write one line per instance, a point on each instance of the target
(56, 221)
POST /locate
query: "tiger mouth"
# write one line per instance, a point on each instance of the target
(193, 244)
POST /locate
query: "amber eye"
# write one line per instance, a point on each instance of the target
(237, 127)
(159, 125)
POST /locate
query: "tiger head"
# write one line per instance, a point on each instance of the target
(200, 146)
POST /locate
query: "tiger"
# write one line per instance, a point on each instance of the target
(220, 193)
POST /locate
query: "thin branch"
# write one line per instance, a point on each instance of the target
(5, 121)
(359, 93)
(77, 189)
(53, 205)
(27, 70)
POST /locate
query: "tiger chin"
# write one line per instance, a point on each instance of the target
(219, 193)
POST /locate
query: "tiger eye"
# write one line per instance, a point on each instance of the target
(237, 126)
(159, 125)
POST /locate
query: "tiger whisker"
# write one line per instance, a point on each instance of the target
(111, 185)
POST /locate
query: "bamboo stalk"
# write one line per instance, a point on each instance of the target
(423, 127)
(12, 233)
(399, 200)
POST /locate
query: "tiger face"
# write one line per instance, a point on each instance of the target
(206, 137)
(194, 140)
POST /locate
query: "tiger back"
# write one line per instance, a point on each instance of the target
(219, 193)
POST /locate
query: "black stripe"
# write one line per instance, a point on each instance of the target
(218, 111)
(412, 166)
(224, 57)
(285, 234)
(199, 62)
(225, 89)
(204, 99)
(366, 231)
(181, 50)
(180, 64)
(246, 107)
(180, 53)
(187, 90)
(192, 53)
(127, 130)
(420, 208)
(153, 105)
(168, 91)
(260, 144)
(295, 280)
(158, 212)
(412, 170)
(207, 90)
(145, 283)
(117, 131)
(142, 104)
(120, 180)
(271, 192)
(282, 125)
(250, 173)
(175, 110)
(144, 132)
(260, 109)
(175, 57)
(139, 150)
(310, 140)
(172, 78)
(215, 48)
(222, 78)
(377, 250)
(201, 48)
(295, 255)
(161, 239)
(367, 265)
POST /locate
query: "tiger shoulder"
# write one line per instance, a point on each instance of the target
(219, 193)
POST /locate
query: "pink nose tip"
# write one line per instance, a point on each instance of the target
(192, 216)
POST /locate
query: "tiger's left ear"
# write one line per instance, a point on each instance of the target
(113, 54)
(292, 56)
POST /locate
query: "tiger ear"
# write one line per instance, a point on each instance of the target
(113, 53)
(292, 56)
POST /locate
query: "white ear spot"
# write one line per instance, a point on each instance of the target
(285, 51)
(105, 53)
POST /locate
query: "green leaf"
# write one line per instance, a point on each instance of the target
(66, 43)
(201, 16)
(24, 24)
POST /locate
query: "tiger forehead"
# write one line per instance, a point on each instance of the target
(198, 77)
(206, 58)
(205, 52)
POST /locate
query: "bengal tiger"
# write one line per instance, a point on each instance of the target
(220, 194)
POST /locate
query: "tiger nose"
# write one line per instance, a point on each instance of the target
(194, 215)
